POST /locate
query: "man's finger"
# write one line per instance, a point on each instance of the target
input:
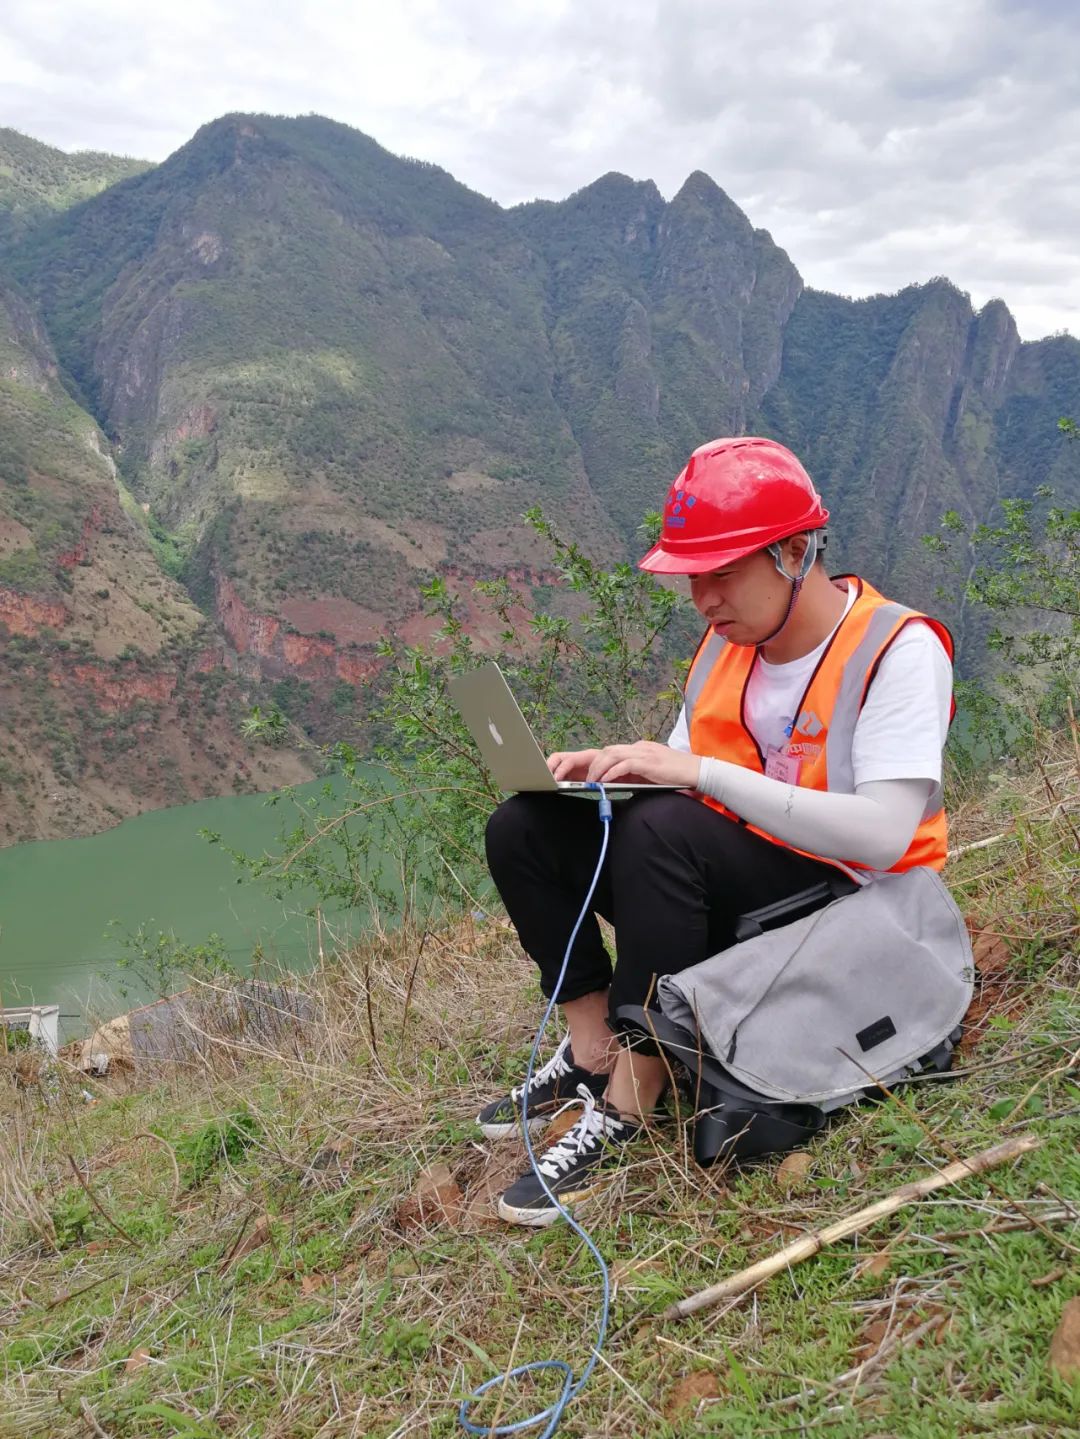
(610, 765)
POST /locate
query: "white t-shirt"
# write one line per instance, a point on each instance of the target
(901, 731)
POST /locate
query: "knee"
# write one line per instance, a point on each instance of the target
(649, 820)
(508, 828)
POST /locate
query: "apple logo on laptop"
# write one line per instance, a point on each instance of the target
(495, 735)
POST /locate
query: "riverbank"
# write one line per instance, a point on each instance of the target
(72, 908)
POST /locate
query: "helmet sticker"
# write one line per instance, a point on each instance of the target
(678, 501)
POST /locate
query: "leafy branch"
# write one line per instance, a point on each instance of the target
(402, 824)
(1027, 572)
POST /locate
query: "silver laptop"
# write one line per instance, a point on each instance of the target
(503, 737)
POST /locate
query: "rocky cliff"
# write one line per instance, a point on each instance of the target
(112, 701)
(667, 322)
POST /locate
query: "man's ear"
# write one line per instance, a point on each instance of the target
(794, 548)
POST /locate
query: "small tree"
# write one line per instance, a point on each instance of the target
(402, 824)
(1027, 571)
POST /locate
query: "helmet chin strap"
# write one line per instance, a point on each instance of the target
(805, 567)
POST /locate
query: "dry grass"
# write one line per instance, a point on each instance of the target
(245, 1250)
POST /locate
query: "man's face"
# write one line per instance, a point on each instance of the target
(746, 601)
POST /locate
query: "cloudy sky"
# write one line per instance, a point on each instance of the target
(880, 141)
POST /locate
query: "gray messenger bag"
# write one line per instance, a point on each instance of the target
(806, 1015)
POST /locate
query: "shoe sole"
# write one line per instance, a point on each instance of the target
(541, 1218)
(504, 1131)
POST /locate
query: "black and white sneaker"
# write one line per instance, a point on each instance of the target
(551, 1086)
(572, 1166)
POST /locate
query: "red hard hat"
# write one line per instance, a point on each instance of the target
(735, 496)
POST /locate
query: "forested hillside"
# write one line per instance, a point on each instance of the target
(325, 372)
(36, 179)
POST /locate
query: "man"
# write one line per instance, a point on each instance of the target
(810, 739)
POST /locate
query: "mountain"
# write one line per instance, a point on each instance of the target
(325, 367)
(673, 322)
(112, 689)
(36, 179)
(907, 405)
(666, 322)
(325, 371)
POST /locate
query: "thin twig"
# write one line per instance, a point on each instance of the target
(888, 1347)
(409, 987)
(1074, 732)
(812, 1244)
(159, 1139)
(69, 1294)
(88, 1415)
(1026, 938)
(96, 1202)
(235, 1245)
(1056, 799)
(1005, 1226)
(1047, 1279)
(979, 844)
(371, 1017)
(493, 1428)
(1044, 1079)
(321, 833)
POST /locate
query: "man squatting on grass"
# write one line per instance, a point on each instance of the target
(811, 738)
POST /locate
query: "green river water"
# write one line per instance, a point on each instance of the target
(58, 899)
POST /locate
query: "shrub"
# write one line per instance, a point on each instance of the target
(225, 1138)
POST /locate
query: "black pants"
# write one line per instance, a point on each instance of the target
(677, 877)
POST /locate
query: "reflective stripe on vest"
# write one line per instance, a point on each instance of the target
(716, 686)
(706, 657)
(885, 624)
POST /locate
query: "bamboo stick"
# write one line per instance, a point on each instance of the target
(980, 844)
(812, 1244)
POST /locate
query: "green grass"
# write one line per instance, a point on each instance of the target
(358, 1313)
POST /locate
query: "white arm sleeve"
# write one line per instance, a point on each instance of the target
(873, 826)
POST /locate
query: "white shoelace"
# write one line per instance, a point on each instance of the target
(555, 1068)
(587, 1133)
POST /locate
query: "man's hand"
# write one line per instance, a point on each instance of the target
(571, 764)
(644, 762)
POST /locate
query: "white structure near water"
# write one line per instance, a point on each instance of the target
(40, 1021)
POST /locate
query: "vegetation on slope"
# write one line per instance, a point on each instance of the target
(36, 179)
(301, 1242)
(94, 637)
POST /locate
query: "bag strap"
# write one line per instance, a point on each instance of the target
(685, 1046)
(792, 906)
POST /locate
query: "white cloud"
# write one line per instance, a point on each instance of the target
(880, 143)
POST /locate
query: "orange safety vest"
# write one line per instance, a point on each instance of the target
(826, 716)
